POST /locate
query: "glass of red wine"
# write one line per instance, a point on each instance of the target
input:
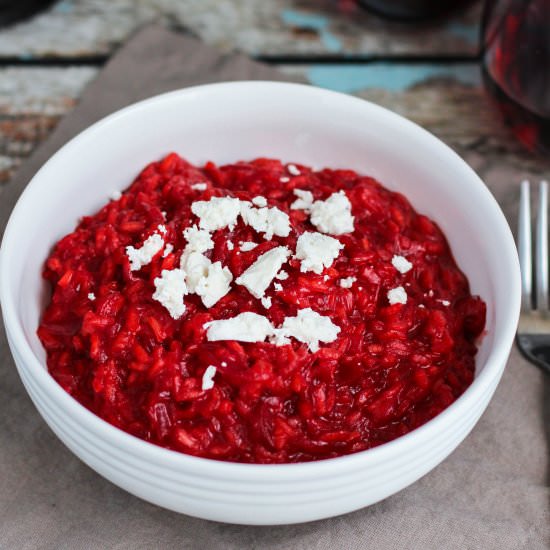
(412, 9)
(516, 67)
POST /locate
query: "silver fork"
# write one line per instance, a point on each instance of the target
(533, 337)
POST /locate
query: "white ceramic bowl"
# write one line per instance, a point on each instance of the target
(243, 120)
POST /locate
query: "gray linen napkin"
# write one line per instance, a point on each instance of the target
(492, 493)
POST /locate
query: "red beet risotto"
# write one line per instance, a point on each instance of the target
(259, 312)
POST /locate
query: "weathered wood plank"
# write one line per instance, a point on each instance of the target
(31, 103)
(74, 28)
(448, 100)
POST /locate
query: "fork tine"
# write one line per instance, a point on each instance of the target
(542, 248)
(524, 246)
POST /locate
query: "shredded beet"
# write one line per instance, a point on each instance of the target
(391, 369)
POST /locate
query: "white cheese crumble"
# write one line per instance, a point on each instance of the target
(317, 251)
(347, 282)
(196, 267)
(259, 275)
(308, 327)
(168, 249)
(214, 284)
(208, 378)
(91, 296)
(333, 215)
(144, 255)
(259, 201)
(199, 186)
(198, 240)
(282, 275)
(304, 201)
(116, 195)
(247, 246)
(284, 179)
(245, 327)
(397, 296)
(270, 221)
(266, 302)
(445, 303)
(170, 290)
(278, 287)
(401, 264)
(293, 170)
(230, 245)
(217, 213)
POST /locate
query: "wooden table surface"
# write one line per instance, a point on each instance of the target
(427, 72)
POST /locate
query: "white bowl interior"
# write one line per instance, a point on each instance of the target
(230, 122)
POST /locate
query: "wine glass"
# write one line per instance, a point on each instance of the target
(516, 66)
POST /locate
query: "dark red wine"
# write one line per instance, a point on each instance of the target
(412, 9)
(516, 67)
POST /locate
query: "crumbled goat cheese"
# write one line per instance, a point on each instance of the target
(304, 201)
(217, 213)
(397, 295)
(401, 264)
(198, 240)
(282, 275)
(270, 221)
(223, 364)
(144, 255)
(347, 282)
(259, 275)
(196, 267)
(208, 377)
(284, 179)
(245, 327)
(293, 170)
(247, 246)
(116, 195)
(91, 296)
(333, 215)
(170, 290)
(278, 287)
(214, 285)
(168, 249)
(259, 201)
(199, 186)
(445, 303)
(317, 251)
(266, 302)
(308, 327)
(230, 245)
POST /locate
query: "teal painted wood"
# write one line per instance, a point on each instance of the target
(73, 28)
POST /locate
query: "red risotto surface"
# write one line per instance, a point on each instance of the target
(391, 369)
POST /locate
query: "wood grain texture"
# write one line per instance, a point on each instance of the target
(31, 102)
(449, 102)
(73, 28)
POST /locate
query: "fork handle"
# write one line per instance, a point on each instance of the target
(536, 348)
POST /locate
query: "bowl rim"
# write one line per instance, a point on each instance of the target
(177, 461)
